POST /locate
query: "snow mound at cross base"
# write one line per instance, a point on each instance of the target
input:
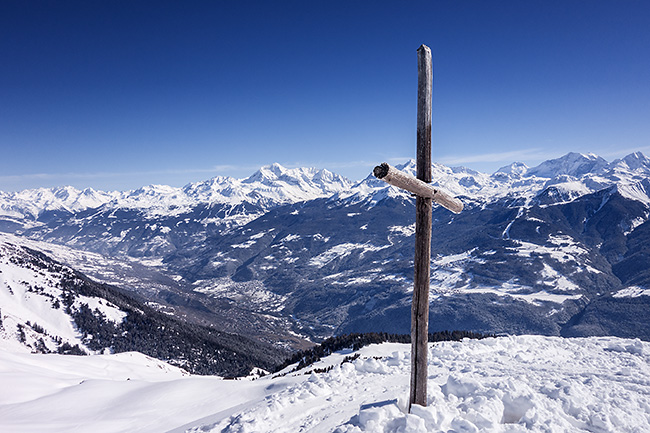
(508, 384)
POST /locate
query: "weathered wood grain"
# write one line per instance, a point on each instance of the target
(405, 181)
(420, 307)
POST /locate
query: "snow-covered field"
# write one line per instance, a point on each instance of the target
(506, 384)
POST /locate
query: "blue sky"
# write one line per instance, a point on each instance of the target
(120, 94)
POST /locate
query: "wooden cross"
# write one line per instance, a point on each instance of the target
(425, 194)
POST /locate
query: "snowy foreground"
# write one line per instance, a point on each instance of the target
(507, 384)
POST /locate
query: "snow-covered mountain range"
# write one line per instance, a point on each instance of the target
(557, 249)
(571, 176)
(575, 174)
(269, 186)
(275, 185)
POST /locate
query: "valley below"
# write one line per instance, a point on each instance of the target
(293, 256)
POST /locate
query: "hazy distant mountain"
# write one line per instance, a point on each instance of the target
(553, 249)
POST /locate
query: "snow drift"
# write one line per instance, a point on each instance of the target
(506, 384)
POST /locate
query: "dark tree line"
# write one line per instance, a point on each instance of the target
(198, 349)
(357, 341)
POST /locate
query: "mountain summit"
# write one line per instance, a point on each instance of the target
(571, 164)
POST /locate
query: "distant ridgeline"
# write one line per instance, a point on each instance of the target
(357, 341)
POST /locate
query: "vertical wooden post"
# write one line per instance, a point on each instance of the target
(420, 307)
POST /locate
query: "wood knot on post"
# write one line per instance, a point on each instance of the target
(381, 170)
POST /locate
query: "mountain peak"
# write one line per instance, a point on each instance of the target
(636, 160)
(270, 173)
(516, 168)
(275, 169)
(572, 164)
(408, 166)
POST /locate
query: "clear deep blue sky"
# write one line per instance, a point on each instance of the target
(120, 94)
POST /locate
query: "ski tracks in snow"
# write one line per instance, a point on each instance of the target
(320, 403)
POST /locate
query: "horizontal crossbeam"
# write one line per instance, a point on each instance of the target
(410, 183)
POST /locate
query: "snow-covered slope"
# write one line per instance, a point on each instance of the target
(47, 307)
(150, 282)
(496, 385)
(39, 303)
